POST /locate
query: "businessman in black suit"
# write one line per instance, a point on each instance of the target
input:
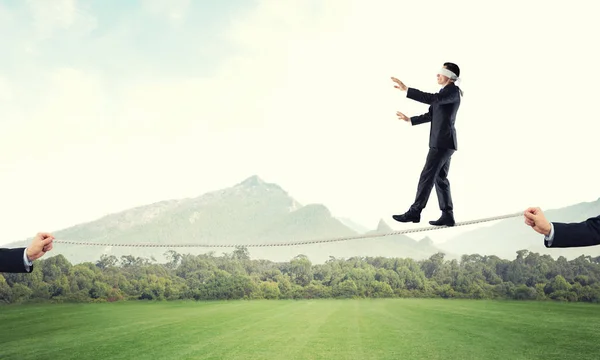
(443, 107)
(564, 235)
(20, 260)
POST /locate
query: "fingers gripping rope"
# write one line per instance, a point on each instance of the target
(296, 243)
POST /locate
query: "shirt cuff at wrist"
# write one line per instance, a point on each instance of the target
(26, 261)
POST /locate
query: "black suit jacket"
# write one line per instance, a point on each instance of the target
(11, 261)
(586, 233)
(442, 114)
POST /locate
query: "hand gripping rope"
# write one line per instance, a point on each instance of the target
(296, 243)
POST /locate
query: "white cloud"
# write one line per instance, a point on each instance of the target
(71, 114)
(52, 15)
(174, 10)
(5, 15)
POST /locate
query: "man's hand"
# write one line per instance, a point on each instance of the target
(534, 217)
(400, 85)
(401, 116)
(40, 245)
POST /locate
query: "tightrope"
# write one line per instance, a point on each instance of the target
(307, 242)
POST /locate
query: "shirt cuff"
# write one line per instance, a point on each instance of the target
(550, 237)
(26, 261)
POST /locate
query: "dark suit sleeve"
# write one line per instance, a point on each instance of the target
(447, 95)
(11, 261)
(421, 119)
(586, 233)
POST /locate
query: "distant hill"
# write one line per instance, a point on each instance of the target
(505, 237)
(250, 212)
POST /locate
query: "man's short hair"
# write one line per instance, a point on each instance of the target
(452, 67)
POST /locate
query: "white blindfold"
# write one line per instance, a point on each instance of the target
(448, 73)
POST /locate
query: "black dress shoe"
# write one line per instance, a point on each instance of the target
(408, 216)
(447, 219)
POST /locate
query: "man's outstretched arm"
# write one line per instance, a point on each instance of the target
(415, 120)
(447, 95)
(563, 235)
(14, 260)
(421, 119)
(20, 260)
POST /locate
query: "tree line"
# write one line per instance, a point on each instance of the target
(530, 276)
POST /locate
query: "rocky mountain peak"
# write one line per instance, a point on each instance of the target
(383, 227)
(426, 241)
(253, 180)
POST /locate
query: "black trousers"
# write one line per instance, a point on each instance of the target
(435, 172)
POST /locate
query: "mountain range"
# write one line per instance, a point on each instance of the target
(257, 212)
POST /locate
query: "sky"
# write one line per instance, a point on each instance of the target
(108, 105)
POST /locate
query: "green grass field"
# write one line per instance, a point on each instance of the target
(317, 329)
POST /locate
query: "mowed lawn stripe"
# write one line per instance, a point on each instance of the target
(358, 329)
(500, 330)
(94, 330)
(226, 328)
(338, 336)
(274, 330)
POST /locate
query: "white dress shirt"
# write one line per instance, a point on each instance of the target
(26, 261)
(550, 237)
